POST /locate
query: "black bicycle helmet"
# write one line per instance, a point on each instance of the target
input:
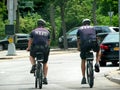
(41, 22)
(86, 21)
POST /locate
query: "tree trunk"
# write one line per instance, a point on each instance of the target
(52, 20)
(94, 12)
(62, 8)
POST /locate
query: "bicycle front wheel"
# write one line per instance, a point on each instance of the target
(40, 76)
(36, 77)
(90, 74)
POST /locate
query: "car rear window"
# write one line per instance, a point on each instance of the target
(114, 37)
(73, 32)
(102, 29)
(116, 29)
(105, 29)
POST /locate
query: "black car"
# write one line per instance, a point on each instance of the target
(101, 31)
(71, 38)
(20, 40)
(110, 49)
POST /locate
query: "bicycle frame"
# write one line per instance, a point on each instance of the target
(90, 72)
(39, 70)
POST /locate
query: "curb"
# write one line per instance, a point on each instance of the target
(113, 76)
(22, 54)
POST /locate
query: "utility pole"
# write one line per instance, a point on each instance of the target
(119, 31)
(9, 29)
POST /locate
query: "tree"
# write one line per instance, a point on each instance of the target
(3, 17)
(62, 15)
(52, 20)
(94, 12)
(62, 9)
(25, 7)
(106, 5)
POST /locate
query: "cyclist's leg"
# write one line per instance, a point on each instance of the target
(85, 48)
(98, 55)
(83, 57)
(32, 55)
(83, 72)
(32, 60)
(83, 67)
(45, 66)
(97, 65)
(96, 49)
(45, 71)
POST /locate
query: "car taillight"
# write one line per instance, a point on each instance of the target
(104, 47)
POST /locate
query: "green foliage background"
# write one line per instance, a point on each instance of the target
(75, 12)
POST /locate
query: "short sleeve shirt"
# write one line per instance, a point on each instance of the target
(86, 33)
(40, 36)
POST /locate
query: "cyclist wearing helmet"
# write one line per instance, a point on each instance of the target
(85, 36)
(39, 37)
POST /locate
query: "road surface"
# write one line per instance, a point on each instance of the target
(64, 74)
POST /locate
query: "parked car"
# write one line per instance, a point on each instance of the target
(105, 30)
(101, 31)
(110, 49)
(115, 28)
(71, 38)
(21, 41)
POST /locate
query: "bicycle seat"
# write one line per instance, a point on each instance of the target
(39, 55)
(89, 56)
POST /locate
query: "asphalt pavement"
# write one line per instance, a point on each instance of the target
(112, 75)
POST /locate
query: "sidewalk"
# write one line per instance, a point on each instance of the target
(24, 53)
(113, 75)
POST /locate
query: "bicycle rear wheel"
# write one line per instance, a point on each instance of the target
(90, 74)
(36, 76)
(35, 82)
(40, 76)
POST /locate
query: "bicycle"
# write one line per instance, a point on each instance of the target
(90, 71)
(39, 70)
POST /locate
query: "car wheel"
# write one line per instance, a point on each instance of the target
(114, 63)
(1, 47)
(22, 48)
(102, 63)
(61, 46)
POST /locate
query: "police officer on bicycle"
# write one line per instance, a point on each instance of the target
(85, 35)
(39, 37)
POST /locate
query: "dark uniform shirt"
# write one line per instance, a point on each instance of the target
(86, 33)
(40, 36)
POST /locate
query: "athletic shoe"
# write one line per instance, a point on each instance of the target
(45, 81)
(97, 69)
(83, 80)
(33, 69)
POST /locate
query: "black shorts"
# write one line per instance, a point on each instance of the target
(38, 48)
(86, 47)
